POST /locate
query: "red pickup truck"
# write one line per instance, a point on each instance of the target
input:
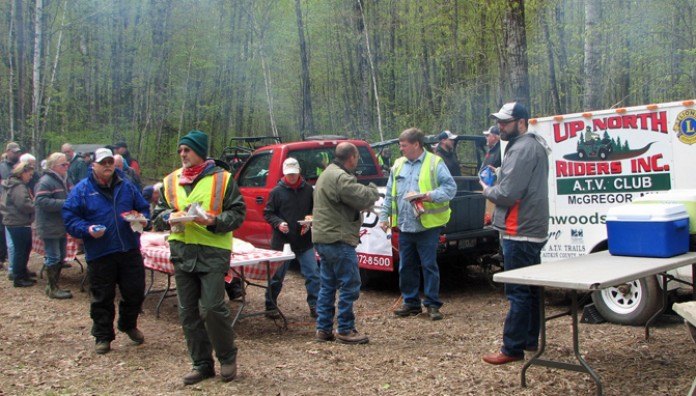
(262, 171)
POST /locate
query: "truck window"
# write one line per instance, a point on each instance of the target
(314, 161)
(255, 172)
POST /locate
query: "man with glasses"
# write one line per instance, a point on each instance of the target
(422, 173)
(522, 217)
(200, 251)
(94, 212)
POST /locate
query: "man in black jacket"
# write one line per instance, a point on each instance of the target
(288, 203)
(446, 149)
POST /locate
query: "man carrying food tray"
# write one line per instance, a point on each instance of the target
(98, 210)
(417, 202)
(288, 211)
(201, 245)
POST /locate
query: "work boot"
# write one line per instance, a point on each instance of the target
(407, 310)
(31, 274)
(23, 283)
(52, 289)
(324, 336)
(102, 347)
(352, 337)
(135, 335)
(195, 376)
(228, 371)
(434, 313)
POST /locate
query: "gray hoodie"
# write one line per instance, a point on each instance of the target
(521, 196)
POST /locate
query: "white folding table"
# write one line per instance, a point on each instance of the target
(591, 272)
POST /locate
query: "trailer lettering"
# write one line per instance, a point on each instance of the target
(648, 164)
(589, 199)
(569, 168)
(632, 183)
(653, 121)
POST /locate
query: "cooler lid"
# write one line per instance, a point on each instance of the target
(670, 196)
(647, 212)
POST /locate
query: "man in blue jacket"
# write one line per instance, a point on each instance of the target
(94, 212)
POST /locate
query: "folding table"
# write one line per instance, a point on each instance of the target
(591, 272)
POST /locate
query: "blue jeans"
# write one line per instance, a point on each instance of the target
(20, 237)
(10, 248)
(339, 272)
(55, 251)
(310, 271)
(522, 325)
(419, 250)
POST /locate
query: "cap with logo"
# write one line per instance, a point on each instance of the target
(14, 147)
(446, 135)
(492, 130)
(511, 111)
(291, 166)
(102, 154)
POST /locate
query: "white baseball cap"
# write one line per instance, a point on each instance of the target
(102, 153)
(291, 166)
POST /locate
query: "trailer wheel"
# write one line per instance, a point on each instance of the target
(631, 303)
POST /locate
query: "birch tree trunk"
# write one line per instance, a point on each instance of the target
(36, 75)
(372, 71)
(307, 119)
(10, 46)
(49, 88)
(592, 70)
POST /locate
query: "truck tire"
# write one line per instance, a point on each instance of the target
(631, 303)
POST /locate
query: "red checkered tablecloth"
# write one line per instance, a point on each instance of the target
(37, 246)
(254, 261)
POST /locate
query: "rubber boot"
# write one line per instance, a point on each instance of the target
(52, 290)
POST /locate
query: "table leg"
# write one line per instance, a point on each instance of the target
(275, 305)
(242, 304)
(582, 367)
(82, 267)
(164, 295)
(662, 308)
(152, 281)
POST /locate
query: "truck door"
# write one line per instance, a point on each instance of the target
(253, 184)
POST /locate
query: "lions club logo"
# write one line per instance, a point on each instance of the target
(685, 126)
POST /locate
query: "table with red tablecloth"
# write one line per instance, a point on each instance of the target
(71, 248)
(248, 264)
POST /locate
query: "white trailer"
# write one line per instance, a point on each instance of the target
(605, 158)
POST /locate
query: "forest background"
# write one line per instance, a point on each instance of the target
(147, 71)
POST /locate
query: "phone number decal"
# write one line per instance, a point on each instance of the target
(370, 261)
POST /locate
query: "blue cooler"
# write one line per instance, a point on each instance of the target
(648, 230)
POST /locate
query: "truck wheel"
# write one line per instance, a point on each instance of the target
(631, 303)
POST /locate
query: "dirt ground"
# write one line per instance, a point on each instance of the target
(46, 349)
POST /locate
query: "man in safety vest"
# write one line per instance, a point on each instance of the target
(200, 252)
(417, 202)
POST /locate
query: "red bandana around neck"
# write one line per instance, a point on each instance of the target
(294, 186)
(188, 175)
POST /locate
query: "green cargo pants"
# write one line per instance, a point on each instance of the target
(205, 318)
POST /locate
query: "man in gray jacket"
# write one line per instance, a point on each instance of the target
(49, 197)
(338, 201)
(522, 217)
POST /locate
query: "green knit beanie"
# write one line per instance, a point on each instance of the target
(197, 141)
